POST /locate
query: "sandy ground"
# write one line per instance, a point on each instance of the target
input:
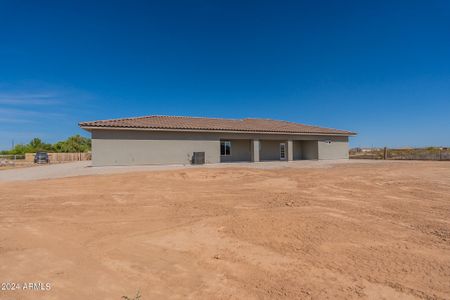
(8, 164)
(82, 168)
(354, 230)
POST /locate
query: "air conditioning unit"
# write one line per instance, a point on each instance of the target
(198, 158)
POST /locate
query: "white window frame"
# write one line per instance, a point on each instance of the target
(225, 145)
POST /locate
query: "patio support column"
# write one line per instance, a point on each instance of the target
(290, 150)
(255, 150)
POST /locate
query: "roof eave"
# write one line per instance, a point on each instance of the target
(90, 128)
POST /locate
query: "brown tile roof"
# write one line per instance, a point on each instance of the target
(212, 124)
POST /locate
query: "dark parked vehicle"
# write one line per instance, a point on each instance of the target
(41, 158)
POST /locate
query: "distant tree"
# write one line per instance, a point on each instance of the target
(19, 149)
(37, 145)
(75, 143)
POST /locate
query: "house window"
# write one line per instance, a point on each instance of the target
(225, 148)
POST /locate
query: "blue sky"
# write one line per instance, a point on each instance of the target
(381, 68)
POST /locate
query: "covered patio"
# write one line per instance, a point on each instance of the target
(252, 150)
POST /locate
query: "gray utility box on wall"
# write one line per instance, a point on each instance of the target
(198, 158)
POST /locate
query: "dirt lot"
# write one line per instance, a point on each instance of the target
(344, 231)
(10, 164)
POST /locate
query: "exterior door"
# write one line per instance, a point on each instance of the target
(283, 151)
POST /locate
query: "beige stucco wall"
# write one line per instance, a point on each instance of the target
(310, 150)
(240, 151)
(134, 147)
(337, 149)
(270, 150)
(321, 149)
(297, 150)
(144, 147)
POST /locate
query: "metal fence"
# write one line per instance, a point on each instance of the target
(402, 154)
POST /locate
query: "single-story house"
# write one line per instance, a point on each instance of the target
(173, 140)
